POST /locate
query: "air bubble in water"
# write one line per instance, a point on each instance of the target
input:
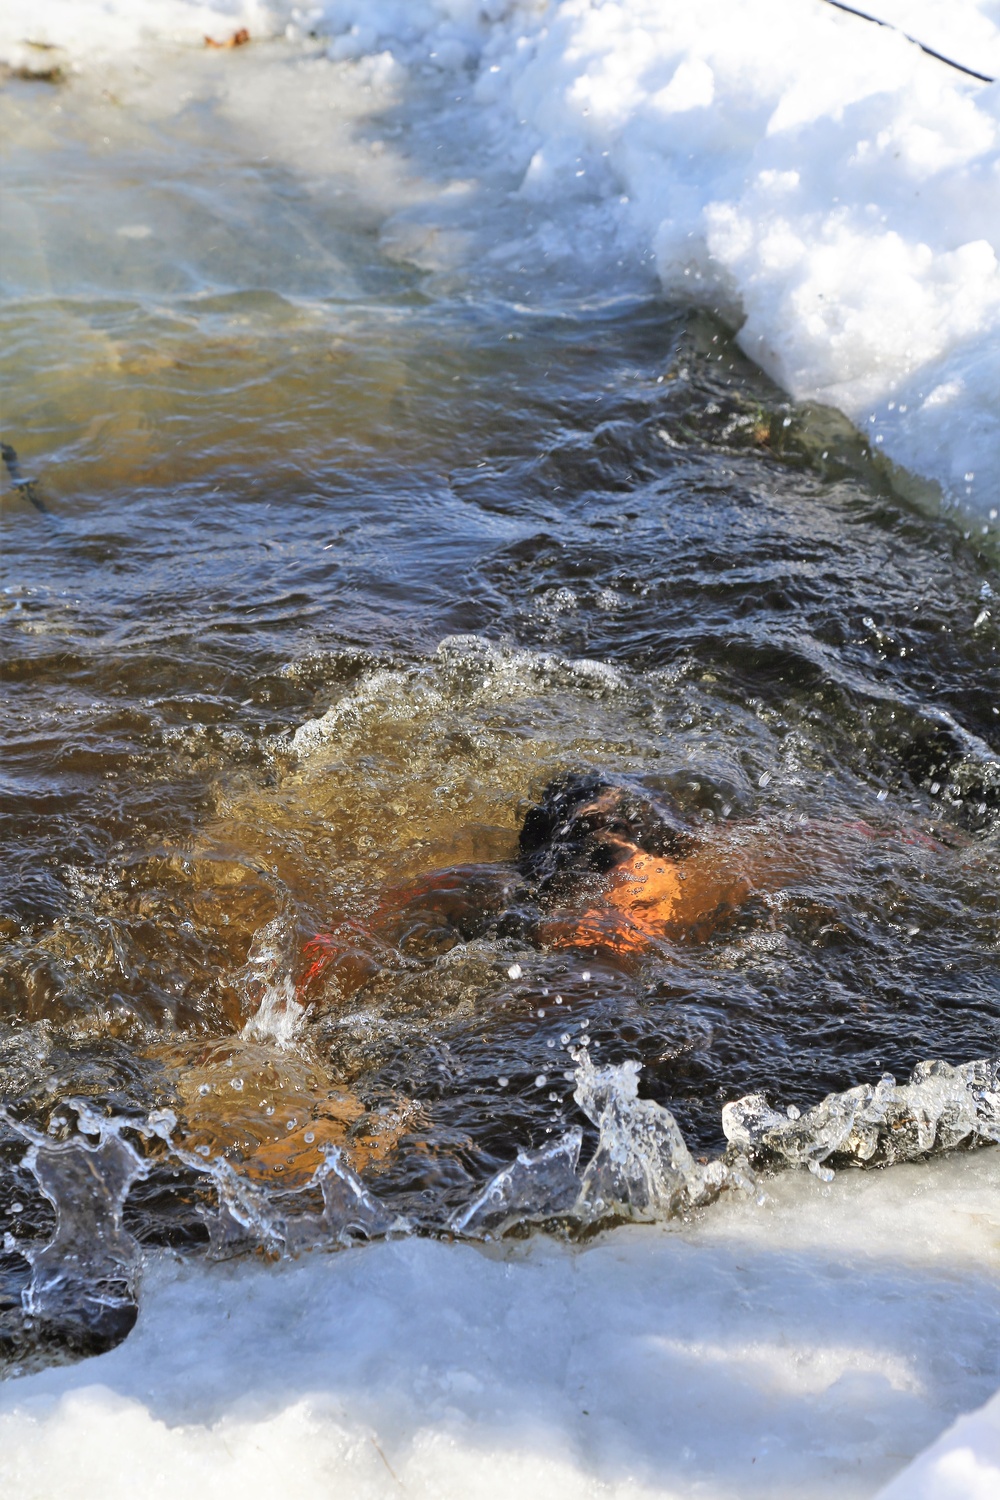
(515, 971)
(541, 1081)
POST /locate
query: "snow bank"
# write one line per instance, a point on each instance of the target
(806, 1346)
(964, 1464)
(83, 27)
(823, 183)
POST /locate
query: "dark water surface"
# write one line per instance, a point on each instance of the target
(496, 542)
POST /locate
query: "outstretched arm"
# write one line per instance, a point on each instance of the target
(417, 920)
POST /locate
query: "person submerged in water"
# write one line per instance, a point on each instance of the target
(604, 867)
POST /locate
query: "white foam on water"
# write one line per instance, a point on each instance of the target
(822, 182)
(811, 1345)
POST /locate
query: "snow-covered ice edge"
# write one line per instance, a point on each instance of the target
(964, 1463)
(809, 1345)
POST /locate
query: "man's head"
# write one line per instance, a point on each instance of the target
(588, 824)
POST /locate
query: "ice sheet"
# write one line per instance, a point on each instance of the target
(811, 1345)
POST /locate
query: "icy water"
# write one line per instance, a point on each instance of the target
(322, 556)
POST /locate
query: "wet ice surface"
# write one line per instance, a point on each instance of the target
(811, 1345)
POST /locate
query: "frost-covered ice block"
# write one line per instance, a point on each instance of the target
(964, 1463)
(940, 1107)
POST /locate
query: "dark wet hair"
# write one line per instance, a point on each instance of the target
(586, 822)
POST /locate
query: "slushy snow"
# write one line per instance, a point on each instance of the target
(821, 182)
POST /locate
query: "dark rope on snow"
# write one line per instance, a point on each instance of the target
(950, 62)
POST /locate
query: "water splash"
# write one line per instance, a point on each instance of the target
(939, 1108)
(265, 982)
(538, 1186)
(84, 1280)
(279, 1018)
(642, 1167)
(83, 1287)
(249, 1216)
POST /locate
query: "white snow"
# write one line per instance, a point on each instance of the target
(827, 186)
(808, 1346)
(964, 1464)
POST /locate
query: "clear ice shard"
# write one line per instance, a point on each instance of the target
(538, 1185)
(85, 1278)
(940, 1107)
